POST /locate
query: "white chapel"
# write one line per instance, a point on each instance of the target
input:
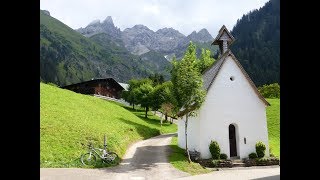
(233, 113)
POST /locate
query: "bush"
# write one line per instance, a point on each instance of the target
(270, 91)
(223, 156)
(260, 149)
(262, 161)
(253, 155)
(215, 163)
(221, 163)
(214, 150)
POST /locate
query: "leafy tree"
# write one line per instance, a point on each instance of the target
(156, 79)
(270, 91)
(167, 109)
(144, 94)
(187, 86)
(131, 95)
(205, 60)
(163, 94)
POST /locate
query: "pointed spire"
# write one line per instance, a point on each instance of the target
(224, 39)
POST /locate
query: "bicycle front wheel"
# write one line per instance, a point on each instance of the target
(112, 158)
(88, 159)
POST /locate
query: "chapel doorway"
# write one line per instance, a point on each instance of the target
(232, 140)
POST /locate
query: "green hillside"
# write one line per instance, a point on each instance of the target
(257, 44)
(68, 57)
(273, 116)
(150, 62)
(68, 119)
(157, 61)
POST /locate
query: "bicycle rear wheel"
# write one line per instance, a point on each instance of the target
(88, 159)
(111, 158)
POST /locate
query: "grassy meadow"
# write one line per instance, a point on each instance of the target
(68, 119)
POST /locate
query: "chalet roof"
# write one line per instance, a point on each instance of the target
(217, 39)
(124, 85)
(211, 73)
(118, 86)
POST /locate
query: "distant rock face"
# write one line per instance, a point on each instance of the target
(202, 36)
(140, 39)
(46, 12)
(168, 39)
(96, 27)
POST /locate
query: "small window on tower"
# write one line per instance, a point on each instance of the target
(232, 78)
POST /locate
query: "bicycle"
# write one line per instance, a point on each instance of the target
(90, 158)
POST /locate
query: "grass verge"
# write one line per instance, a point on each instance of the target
(273, 116)
(179, 160)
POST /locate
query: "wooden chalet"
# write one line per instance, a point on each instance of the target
(105, 87)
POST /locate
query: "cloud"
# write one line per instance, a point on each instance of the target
(153, 9)
(182, 15)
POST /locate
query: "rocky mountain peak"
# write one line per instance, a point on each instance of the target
(194, 33)
(96, 27)
(204, 32)
(202, 36)
(169, 32)
(140, 27)
(94, 23)
(108, 20)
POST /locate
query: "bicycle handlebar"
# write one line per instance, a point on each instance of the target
(89, 145)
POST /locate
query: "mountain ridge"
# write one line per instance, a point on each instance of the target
(67, 57)
(139, 39)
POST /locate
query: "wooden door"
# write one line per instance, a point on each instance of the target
(232, 141)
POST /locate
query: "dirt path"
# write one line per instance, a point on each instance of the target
(146, 159)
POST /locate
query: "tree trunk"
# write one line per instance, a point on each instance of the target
(186, 133)
(147, 109)
(166, 118)
(133, 106)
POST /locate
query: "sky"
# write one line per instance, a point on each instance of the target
(183, 15)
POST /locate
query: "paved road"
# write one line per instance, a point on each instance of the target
(257, 173)
(146, 159)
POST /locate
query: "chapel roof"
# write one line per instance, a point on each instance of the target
(211, 73)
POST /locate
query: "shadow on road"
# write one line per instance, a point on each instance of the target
(144, 158)
(276, 177)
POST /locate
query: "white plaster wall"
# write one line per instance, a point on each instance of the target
(193, 133)
(229, 102)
